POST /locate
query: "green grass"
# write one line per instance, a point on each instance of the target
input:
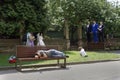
(92, 56)
(4, 60)
(74, 56)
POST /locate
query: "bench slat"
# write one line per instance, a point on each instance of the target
(28, 59)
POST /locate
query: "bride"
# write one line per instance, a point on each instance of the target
(40, 41)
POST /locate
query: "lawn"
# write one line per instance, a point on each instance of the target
(74, 56)
(92, 56)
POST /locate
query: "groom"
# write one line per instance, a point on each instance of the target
(95, 31)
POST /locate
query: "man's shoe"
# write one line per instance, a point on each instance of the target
(67, 56)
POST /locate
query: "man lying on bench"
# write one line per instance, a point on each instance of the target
(52, 53)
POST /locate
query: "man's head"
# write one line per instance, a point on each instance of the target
(39, 52)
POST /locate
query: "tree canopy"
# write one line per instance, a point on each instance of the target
(20, 16)
(76, 11)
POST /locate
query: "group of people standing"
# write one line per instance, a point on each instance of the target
(95, 31)
(30, 38)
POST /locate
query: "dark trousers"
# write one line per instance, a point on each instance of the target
(88, 37)
(101, 37)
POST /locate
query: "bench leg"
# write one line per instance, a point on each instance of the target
(64, 64)
(58, 62)
(18, 65)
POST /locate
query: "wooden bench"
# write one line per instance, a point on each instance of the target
(95, 46)
(25, 53)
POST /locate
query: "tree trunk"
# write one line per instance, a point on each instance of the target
(80, 35)
(66, 32)
(21, 30)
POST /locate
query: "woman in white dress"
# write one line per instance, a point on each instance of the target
(40, 41)
(30, 39)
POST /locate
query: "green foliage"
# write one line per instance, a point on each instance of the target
(29, 15)
(40, 15)
(75, 11)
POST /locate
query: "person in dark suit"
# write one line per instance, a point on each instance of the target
(88, 31)
(101, 32)
(95, 31)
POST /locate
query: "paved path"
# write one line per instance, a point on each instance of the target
(94, 71)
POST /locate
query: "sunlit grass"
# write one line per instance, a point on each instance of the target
(92, 56)
(74, 56)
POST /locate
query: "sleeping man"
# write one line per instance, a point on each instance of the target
(49, 53)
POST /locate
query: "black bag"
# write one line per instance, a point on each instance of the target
(24, 39)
